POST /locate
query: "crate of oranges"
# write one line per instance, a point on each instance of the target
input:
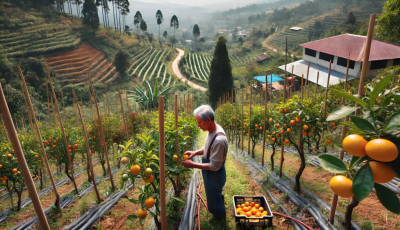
(252, 211)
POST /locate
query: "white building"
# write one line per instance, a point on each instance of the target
(338, 49)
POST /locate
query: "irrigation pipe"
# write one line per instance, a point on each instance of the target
(297, 221)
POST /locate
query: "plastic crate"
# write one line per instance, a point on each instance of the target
(250, 222)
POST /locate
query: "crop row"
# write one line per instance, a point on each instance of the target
(42, 29)
(49, 47)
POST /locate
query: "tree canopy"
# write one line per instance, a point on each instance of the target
(220, 79)
(160, 19)
(90, 15)
(143, 25)
(388, 27)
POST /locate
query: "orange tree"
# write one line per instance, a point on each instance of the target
(10, 174)
(255, 125)
(374, 144)
(271, 132)
(56, 149)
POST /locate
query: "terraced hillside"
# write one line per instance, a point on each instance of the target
(328, 20)
(72, 66)
(147, 63)
(36, 39)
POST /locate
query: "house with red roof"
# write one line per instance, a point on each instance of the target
(338, 50)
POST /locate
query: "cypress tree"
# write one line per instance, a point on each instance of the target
(90, 15)
(220, 79)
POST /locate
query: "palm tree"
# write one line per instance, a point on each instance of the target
(160, 19)
(137, 19)
(174, 23)
(149, 96)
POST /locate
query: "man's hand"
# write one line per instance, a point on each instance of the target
(188, 164)
(190, 154)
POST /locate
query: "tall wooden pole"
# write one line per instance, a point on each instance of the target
(127, 102)
(292, 83)
(236, 118)
(91, 104)
(102, 133)
(162, 162)
(29, 112)
(327, 86)
(284, 84)
(341, 154)
(316, 86)
(63, 131)
(22, 162)
(65, 114)
(123, 115)
(242, 119)
(46, 162)
(176, 133)
(307, 88)
(88, 151)
(302, 79)
(48, 104)
(83, 111)
(104, 106)
(108, 104)
(248, 145)
(265, 119)
(54, 112)
(365, 65)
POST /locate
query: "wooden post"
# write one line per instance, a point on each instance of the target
(365, 65)
(29, 113)
(248, 145)
(65, 114)
(54, 112)
(108, 104)
(327, 86)
(302, 78)
(284, 84)
(28, 101)
(307, 88)
(23, 125)
(63, 131)
(242, 119)
(236, 118)
(265, 119)
(270, 92)
(22, 162)
(292, 84)
(341, 154)
(102, 133)
(16, 124)
(127, 102)
(91, 105)
(141, 118)
(123, 115)
(83, 111)
(316, 86)
(116, 102)
(177, 136)
(104, 105)
(48, 104)
(88, 151)
(4, 128)
(163, 216)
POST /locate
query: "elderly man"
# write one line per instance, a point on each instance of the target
(213, 161)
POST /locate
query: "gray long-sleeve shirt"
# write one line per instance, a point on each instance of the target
(218, 150)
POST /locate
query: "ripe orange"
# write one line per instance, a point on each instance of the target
(287, 141)
(309, 134)
(142, 213)
(342, 186)
(338, 105)
(46, 142)
(14, 171)
(69, 146)
(333, 124)
(273, 133)
(304, 133)
(238, 206)
(244, 131)
(298, 119)
(247, 204)
(261, 209)
(248, 214)
(278, 126)
(260, 128)
(36, 156)
(305, 127)
(381, 150)
(289, 130)
(76, 146)
(277, 135)
(258, 214)
(185, 157)
(246, 209)
(9, 155)
(254, 211)
(292, 122)
(243, 206)
(256, 126)
(284, 126)
(149, 202)
(282, 131)
(269, 136)
(54, 146)
(252, 204)
(286, 110)
(1, 166)
(273, 139)
(70, 150)
(281, 111)
(270, 120)
(355, 145)
(238, 210)
(313, 128)
(135, 169)
(383, 173)
(149, 179)
(328, 142)
(257, 206)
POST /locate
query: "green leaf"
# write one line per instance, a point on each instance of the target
(132, 217)
(142, 221)
(363, 124)
(388, 198)
(379, 88)
(369, 116)
(178, 199)
(363, 182)
(392, 123)
(134, 201)
(341, 112)
(389, 99)
(349, 97)
(356, 161)
(332, 164)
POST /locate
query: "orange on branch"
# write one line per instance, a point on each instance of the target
(355, 145)
(342, 186)
(383, 173)
(381, 150)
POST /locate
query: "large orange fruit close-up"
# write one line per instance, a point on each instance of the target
(382, 150)
(292, 122)
(383, 173)
(149, 202)
(342, 186)
(135, 169)
(355, 145)
(142, 213)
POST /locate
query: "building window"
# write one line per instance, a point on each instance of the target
(381, 64)
(311, 53)
(343, 62)
(325, 56)
(396, 61)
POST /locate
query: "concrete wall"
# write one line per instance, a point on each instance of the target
(356, 72)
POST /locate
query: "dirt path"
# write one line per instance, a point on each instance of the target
(175, 68)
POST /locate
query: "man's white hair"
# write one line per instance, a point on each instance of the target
(204, 112)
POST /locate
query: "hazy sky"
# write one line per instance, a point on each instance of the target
(231, 3)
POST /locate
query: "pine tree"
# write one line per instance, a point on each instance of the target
(90, 15)
(220, 79)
